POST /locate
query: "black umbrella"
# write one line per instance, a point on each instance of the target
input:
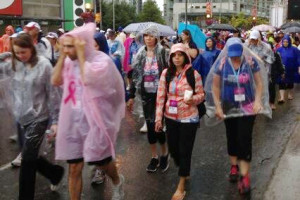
(290, 24)
(225, 27)
(293, 29)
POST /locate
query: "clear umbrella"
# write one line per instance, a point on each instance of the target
(264, 28)
(138, 27)
(225, 27)
(293, 29)
(290, 24)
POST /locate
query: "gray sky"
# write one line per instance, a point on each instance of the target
(160, 4)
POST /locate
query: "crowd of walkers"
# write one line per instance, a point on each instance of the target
(77, 85)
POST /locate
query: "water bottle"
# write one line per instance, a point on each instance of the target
(49, 141)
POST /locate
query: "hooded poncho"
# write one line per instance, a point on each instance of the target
(234, 82)
(98, 103)
(291, 60)
(5, 40)
(204, 61)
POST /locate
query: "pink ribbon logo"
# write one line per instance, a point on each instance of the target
(72, 89)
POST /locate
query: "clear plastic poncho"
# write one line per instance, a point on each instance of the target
(6, 94)
(237, 87)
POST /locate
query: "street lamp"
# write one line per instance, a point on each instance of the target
(113, 1)
(254, 20)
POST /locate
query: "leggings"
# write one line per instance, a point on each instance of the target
(181, 138)
(239, 137)
(149, 106)
(272, 92)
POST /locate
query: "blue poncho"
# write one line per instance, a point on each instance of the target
(102, 42)
(204, 61)
(291, 60)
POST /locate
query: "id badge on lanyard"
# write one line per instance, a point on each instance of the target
(239, 92)
(149, 81)
(173, 109)
(173, 106)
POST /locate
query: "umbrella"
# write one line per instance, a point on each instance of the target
(264, 28)
(293, 29)
(197, 35)
(225, 27)
(138, 27)
(290, 24)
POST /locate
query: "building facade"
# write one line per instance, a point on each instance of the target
(174, 10)
(48, 13)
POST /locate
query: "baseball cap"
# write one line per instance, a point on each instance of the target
(14, 35)
(235, 50)
(61, 30)
(52, 35)
(254, 35)
(33, 25)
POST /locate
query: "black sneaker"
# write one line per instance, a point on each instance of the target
(164, 163)
(154, 164)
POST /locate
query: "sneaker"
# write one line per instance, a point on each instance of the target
(17, 161)
(117, 190)
(57, 177)
(99, 177)
(244, 185)
(154, 164)
(13, 138)
(144, 129)
(164, 163)
(234, 173)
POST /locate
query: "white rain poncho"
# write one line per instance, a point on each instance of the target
(237, 87)
(5, 86)
(6, 94)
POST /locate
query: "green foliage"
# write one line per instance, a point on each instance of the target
(150, 13)
(224, 19)
(244, 22)
(124, 14)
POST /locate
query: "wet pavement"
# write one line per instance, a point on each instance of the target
(210, 164)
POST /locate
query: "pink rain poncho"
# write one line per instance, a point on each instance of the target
(5, 40)
(127, 44)
(91, 112)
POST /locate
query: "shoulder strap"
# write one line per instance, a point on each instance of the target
(190, 77)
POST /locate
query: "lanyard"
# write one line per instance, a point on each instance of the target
(236, 74)
(174, 84)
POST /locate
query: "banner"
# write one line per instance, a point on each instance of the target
(11, 7)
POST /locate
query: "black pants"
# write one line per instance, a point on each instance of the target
(149, 105)
(31, 162)
(286, 86)
(272, 92)
(181, 138)
(239, 137)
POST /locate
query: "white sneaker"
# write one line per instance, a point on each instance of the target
(53, 188)
(17, 161)
(13, 138)
(99, 177)
(144, 129)
(117, 190)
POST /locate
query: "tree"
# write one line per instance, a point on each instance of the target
(241, 21)
(124, 14)
(150, 13)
